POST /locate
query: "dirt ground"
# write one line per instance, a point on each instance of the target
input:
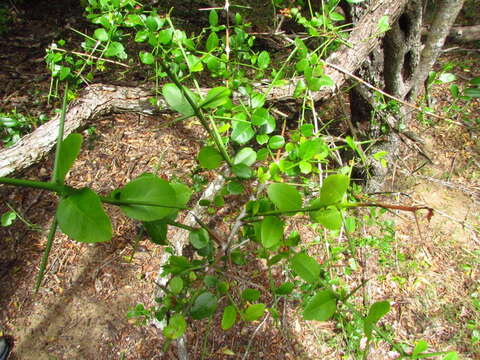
(430, 272)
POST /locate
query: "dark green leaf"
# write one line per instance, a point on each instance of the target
(284, 196)
(199, 238)
(151, 189)
(69, 151)
(204, 306)
(235, 188)
(176, 285)
(250, 295)
(216, 97)
(176, 327)
(472, 92)
(242, 171)
(82, 217)
(254, 312)
(321, 307)
(229, 317)
(306, 267)
(285, 289)
(210, 281)
(157, 231)
(154, 22)
(271, 231)
(242, 132)
(176, 100)
(209, 158)
(116, 49)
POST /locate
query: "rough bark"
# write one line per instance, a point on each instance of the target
(99, 99)
(445, 15)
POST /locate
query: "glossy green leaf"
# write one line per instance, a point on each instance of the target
(176, 100)
(333, 189)
(271, 230)
(306, 267)
(242, 132)
(209, 158)
(246, 156)
(216, 97)
(276, 142)
(329, 217)
(146, 57)
(157, 231)
(147, 188)
(375, 313)
(199, 238)
(204, 306)
(213, 18)
(81, 217)
(68, 154)
(250, 295)
(254, 312)
(263, 59)
(229, 317)
(242, 171)
(176, 327)
(8, 218)
(285, 197)
(321, 307)
(101, 34)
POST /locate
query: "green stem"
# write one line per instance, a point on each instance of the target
(46, 253)
(34, 184)
(180, 225)
(61, 126)
(198, 113)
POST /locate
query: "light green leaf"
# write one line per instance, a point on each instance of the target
(276, 142)
(216, 97)
(242, 171)
(213, 18)
(101, 34)
(250, 295)
(254, 312)
(376, 312)
(242, 132)
(245, 156)
(321, 307)
(229, 317)
(263, 59)
(420, 346)
(284, 196)
(330, 217)
(271, 230)
(209, 158)
(8, 218)
(68, 154)
(81, 217)
(306, 267)
(199, 238)
(146, 57)
(383, 24)
(175, 285)
(333, 189)
(176, 100)
(212, 41)
(176, 327)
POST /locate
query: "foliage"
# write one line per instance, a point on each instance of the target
(14, 125)
(245, 141)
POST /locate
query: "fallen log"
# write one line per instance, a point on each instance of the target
(98, 99)
(464, 33)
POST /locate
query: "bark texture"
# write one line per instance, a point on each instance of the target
(465, 33)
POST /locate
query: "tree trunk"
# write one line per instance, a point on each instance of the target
(465, 33)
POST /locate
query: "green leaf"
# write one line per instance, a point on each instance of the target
(285, 289)
(336, 16)
(116, 49)
(141, 36)
(194, 63)
(146, 57)
(262, 139)
(157, 231)
(147, 188)
(213, 18)
(82, 217)
(212, 42)
(176, 100)
(383, 24)
(376, 312)
(330, 217)
(242, 132)
(216, 97)
(165, 36)
(472, 92)
(309, 148)
(306, 267)
(271, 230)
(250, 295)
(242, 171)
(245, 156)
(176, 327)
(68, 154)
(235, 188)
(199, 238)
(229, 317)
(333, 189)
(284, 196)
(263, 59)
(276, 142)
(451, 356)
(176, 285)
(446, 77)
(254, 312)
(420, 346)
(101, 34)
(8, 218)
(305, 167)
(154, 22)
(316, 83)
(321, 307)
(209, 158)
(204, 306)
(183, 193)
